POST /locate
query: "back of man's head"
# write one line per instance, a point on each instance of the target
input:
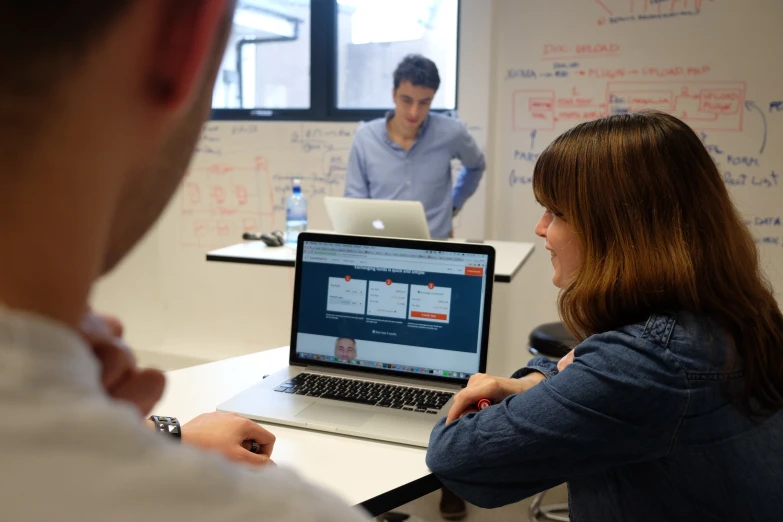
(41, 44)
(101, 103)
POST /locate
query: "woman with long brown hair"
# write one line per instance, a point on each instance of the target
(669, 406)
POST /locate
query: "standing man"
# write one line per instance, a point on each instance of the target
(407, 155)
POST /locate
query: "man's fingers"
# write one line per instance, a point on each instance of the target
(97, 326)
(242, 455)
(264, 438)
(116, 360)
(115, 325)
(143, 388)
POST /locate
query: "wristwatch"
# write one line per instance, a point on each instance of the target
(169, 425)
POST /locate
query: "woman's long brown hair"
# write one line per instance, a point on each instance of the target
(659, 233)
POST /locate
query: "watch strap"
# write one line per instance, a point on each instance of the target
(169, 425)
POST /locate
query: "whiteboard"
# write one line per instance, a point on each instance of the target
(710, 63)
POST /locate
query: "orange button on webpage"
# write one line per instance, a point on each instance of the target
(429, 315)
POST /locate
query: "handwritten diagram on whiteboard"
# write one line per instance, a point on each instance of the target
(562, 63)
(243, 173)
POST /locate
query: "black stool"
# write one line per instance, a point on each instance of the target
(551, 340)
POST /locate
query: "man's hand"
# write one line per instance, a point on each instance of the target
(483, 386)
(230, 435)
(120, 376)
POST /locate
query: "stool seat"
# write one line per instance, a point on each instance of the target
(551, 340)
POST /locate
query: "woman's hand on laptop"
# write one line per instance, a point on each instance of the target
(483, 386)
(230, 435)
(120, 376)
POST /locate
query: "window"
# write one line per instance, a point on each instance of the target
(267, 61)
(375, 35)
(280, 66)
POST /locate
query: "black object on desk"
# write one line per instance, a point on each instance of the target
(274, 239)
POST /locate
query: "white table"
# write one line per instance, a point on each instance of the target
(379, 476)
(509, 256)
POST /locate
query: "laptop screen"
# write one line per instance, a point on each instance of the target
(395, 309)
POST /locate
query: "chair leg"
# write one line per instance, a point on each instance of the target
(555, 512)
(535, 507)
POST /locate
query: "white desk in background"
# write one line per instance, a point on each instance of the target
(379, 476)
(509, 256)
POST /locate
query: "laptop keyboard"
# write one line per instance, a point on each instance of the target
(365, 392)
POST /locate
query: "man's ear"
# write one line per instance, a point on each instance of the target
(187, 39)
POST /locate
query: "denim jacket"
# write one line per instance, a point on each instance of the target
(639, 425)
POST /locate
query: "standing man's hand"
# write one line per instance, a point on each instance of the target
(120, 376)
(230, 435)
(454, 212)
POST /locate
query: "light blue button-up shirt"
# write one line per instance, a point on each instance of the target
(381, 169)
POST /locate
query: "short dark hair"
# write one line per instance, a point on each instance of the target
(418, 70)
(41, 41)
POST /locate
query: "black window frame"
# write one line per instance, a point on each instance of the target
(324, 76)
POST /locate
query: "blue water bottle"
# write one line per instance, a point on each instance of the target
(295, 214)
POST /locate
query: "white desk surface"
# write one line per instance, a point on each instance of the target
(378, 475)
(509, 256)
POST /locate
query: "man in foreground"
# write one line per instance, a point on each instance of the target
(99, 114)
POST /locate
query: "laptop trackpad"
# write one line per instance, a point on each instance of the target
(334, 415)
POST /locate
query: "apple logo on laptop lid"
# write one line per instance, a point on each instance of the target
(378, 224)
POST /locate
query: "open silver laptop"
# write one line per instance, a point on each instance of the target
(384, 333)
(377, 217)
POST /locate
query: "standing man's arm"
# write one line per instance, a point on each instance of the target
(473, 166)
(356, 182)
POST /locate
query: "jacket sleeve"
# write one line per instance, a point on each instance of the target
(539, 364)
(620, 401)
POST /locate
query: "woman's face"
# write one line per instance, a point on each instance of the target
(563, 246)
